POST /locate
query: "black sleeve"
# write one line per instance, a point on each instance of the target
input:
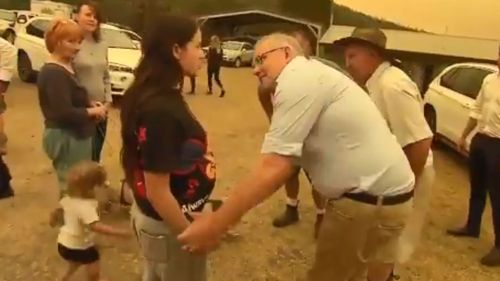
(57, 86)
(161, 145)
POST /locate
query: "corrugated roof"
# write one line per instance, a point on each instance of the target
(255, 16)
(426, 43)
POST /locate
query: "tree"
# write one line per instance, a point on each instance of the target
(15, 4)
(317, 11)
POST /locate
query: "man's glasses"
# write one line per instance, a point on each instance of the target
(259, 60)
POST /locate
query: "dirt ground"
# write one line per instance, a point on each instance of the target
(236, 126)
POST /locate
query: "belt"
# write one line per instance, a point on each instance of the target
(367, 198)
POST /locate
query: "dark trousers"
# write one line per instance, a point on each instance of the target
(484, 167)
(5, 188)
(98, 140)
(192, 79)
(213, 73)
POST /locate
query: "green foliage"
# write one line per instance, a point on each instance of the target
(135, 12)
(317, 11)
(15, 4)
(343, 15)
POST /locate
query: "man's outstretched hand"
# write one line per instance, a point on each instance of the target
(202, 235)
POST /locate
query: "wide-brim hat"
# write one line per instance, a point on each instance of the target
(373, 37)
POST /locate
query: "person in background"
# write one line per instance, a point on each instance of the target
(291, 214)
(75, 242)
(327, 123)
(8, 54)
(91, 67)
(192, 80)
(484, 163)
(165, 155)
(69, 116)
(400, 102)
(214, 63)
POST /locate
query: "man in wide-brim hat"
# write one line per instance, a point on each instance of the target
(399, 100)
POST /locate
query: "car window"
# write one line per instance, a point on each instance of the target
(133, 36)
(117, 39)
(7, 16)
(234, 46)
(38, 28)
(465, 80)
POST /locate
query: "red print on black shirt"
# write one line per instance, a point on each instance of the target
(191, 182)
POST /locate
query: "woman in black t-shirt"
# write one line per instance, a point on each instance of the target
(165, 156)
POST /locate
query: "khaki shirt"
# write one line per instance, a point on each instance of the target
(399, 100)
(486, 109)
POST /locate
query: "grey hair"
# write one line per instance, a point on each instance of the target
(283, 40)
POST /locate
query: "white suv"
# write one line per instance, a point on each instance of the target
(123, 55)
(237, 53)
(451, 96)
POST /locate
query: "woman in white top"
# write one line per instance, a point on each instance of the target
(91, 66)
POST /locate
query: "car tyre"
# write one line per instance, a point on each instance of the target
(237, 63)
(431, 118)
(25, 68)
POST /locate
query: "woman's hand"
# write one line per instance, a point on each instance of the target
(98, 111)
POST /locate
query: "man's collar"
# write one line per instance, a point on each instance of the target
(376, 75)
(290, 66)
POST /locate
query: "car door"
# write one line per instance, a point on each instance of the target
(442, 97)
(31, 41)
(247, 53)
(468, 85)
(459, 88)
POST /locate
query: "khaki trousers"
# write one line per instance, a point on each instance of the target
(354, 234)
(164, 259)
(413, 231)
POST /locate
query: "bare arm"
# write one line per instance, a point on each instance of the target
(471, 124)
(417, 154)
(163, 201)
(271, 172)
(102, 228)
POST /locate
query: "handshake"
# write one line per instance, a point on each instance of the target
(98, 111)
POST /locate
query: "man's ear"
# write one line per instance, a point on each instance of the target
(176, 51)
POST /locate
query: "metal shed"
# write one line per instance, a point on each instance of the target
(423, 55)
(484, 50)
(234, 24)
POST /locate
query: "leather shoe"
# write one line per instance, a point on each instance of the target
(492, 258)
(462, 232)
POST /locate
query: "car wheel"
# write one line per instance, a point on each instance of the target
(237, 63)
(25, 68)
(430, 116)
(10, 36)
